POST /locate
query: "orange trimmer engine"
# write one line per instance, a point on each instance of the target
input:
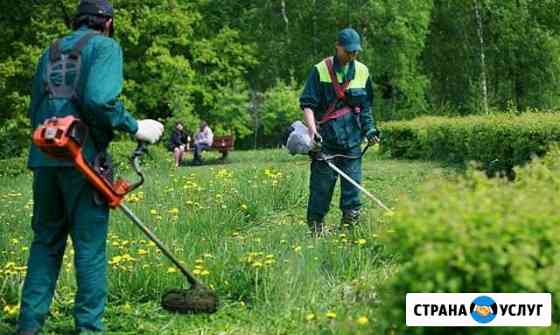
(63, 138)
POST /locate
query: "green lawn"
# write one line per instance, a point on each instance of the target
(239, 226)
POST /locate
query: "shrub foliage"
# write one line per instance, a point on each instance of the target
(478, 234)
(499, 142)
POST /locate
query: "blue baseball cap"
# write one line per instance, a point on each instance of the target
(95, 7)
(349, 39)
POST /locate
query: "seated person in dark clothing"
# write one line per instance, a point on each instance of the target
(179, 143)
(202, 141)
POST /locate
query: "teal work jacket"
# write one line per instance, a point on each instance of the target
(99, 85)
(349, 130)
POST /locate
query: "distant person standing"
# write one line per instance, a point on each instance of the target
(202, 141)
(336, 102)
(179, 143)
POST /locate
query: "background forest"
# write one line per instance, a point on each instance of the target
(241, 64)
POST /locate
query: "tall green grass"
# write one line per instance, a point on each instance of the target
(240, 227)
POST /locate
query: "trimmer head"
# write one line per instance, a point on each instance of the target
(190, 301)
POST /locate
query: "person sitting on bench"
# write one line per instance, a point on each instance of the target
(202, 141)
(179, 143)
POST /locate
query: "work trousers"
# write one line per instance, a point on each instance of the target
(64, 206)
(323, 179)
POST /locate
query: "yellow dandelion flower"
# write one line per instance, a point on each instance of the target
(115, 260)
(244, 207)
(297, 248)
(142, 252)
(199, 261)
(128, 258)
(153, 212)
(205, 273)
(196, 272)
(310, 317)
(362, 320)
(174, 210)
(361, 241)
(257, 264)
(11, 309)
(331, 315)
(171, 270)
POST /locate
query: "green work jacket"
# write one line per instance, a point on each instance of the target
(99, 85)
(349, 130)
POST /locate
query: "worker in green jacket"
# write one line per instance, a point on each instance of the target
(80, 75)
(337, 104)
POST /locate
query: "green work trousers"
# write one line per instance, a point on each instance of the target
(64, 206)
(323, 180)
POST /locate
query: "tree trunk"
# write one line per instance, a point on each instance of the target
(483, 82)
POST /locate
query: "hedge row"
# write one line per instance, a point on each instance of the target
(478, 234)
(499, 141)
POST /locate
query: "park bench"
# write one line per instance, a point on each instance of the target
(223, 144)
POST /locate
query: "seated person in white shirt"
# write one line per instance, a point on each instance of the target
(202, 141)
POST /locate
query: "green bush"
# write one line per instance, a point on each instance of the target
(499, 141)
(478, 234)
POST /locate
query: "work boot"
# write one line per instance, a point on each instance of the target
(316, 227)
(350, 218)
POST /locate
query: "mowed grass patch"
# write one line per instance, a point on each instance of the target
(240, 227)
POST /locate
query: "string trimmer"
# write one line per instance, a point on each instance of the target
(63, 138)
(320, 156)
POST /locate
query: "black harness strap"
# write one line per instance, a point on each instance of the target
(75, 52)
(55, 52)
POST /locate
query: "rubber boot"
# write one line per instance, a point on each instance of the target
(350, 218)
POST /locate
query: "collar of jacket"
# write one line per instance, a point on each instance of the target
(338, 67)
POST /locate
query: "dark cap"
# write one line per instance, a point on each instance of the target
(95, 7)
(349, 39)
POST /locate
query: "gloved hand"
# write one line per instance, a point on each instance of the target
(373, 136)
(315, 152)
(149, 131)
(316, 142)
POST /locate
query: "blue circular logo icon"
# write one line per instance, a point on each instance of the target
(483, 309)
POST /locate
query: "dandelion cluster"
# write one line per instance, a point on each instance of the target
(12, 269)
(259, 259)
